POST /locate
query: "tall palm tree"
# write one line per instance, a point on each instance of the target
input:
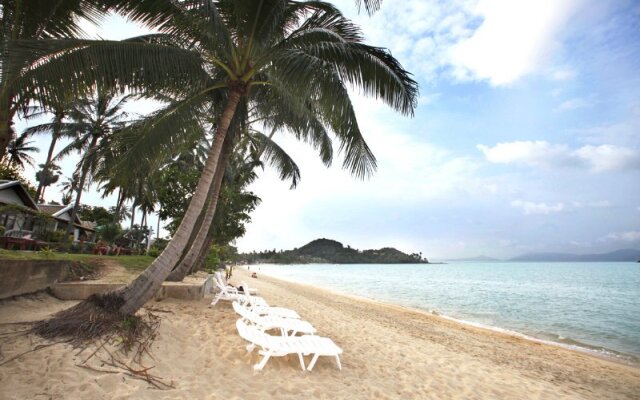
(19, 149)
(255, 151)
(304, 53)
(273, 45)
(69, 186)
(93, 120)
(261, 145)
(58, 129)
(46, 176)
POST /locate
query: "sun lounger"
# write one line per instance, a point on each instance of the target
(259, 308)
(230, 293)
(218, 275)
(278, 346)
(287, 326)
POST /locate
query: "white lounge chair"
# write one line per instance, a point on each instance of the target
(218, 275)
(230, 293)
(287, 326)
(259, 308)
(278, 346)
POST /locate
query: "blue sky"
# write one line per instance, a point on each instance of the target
(526, 138)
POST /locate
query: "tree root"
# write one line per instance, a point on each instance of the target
(96, 316)
(98, 321)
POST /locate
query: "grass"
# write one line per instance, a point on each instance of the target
(134, 263)
(130, 263)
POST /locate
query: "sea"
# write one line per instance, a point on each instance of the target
(588, 306)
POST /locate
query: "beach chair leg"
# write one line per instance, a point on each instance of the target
(338, 363)
(250, 347)
(215, 300)
(263, 362)
(301, 362)
(313, 362)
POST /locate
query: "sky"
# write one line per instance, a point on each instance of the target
(526, 137)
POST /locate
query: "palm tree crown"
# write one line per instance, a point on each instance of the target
(290, 63)
(19, 149)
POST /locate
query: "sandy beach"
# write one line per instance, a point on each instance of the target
(390, 352)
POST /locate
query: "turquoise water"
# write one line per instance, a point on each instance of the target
(589, 305)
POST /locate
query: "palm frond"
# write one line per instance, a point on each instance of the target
(275, 156)
(57, 67)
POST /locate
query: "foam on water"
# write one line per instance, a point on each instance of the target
(593, 307)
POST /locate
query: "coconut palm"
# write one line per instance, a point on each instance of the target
(235, 52)
(47, 175)
(19, 149)
(273, 45)
(256, 146)
(69, 186)
(58, 129)
(93, 120)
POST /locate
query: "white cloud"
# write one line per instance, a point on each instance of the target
(490, 40)
(574, 104)
(542, 154)
(531, 208)
(515, 38)
(563, 74)
(608, 157)
(592, 204)
(624, 133)
(531, 153)
(428, 99)
(628, 236)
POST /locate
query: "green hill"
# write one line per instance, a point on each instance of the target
(327, 251)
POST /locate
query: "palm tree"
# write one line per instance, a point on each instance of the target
(257, 145)
(32, 19)
(58, 129)
(93, 120)
(69, 186)
(46, 176)
(303, 53)
(261, 47)
(19, 149)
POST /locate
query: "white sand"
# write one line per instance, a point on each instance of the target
(389, 353)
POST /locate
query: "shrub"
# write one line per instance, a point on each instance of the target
(153, 251)
(47, 252)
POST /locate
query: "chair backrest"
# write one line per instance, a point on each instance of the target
(245, 312)
(252, 334)
(216, 280)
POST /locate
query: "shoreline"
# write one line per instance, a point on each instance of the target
(582, 348)
(599, 352)
(389, 352)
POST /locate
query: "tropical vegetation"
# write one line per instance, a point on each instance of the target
(327, 251)
(224, 71)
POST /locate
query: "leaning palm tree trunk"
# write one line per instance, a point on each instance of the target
(202, 256)
(142, 289)
(186, 265)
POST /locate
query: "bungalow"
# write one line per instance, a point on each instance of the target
(62, 216)
(18, 214)
(12, 193)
